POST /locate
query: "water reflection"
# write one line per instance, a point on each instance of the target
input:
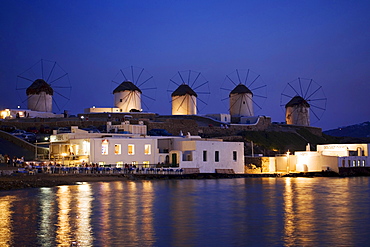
(6, 228)
(231, 212)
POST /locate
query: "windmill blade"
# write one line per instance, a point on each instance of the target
(24, 78)
(61, 95)
(231, 80)
(224, 99)
(300, 85)
(124, 76)
(202, 101)
(148, 88)
(174, 82)
(286, 95)
(56, 104)
(317, 107)
(317, 99)
(254, 81)
(51, 71)
(237, 73)
(61, 87)
(259, 96)
(148, 97)
(308, 89)
(293, 88)
(196, 80)
(254, 89)
(254, 102)
(227, 89)
(246, 77)
(314, 92)
(21, 88)
(205, 83)
(58, 78)
(115, 82)
(315, 115)
(139, 76)
(181, 77)
(145, 81)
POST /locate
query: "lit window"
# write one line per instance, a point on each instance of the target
(119, 164)
(104, 147)
(363, 163)
(101, 163)
(145, 164)
(235, 155)
(117, 148)
(204, 155)
(217, 156)
(131, 149)
(147, 149)
(354, 163)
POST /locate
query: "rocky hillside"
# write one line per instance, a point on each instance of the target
(358, 130)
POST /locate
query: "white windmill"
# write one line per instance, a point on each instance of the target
(136, 84)
(245, 91)
(50, 87)
(300, 98)
(191, 93)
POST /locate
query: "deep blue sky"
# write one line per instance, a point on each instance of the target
(328, 41)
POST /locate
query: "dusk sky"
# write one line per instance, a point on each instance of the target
(327, 41)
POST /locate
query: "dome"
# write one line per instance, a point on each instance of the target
(241, 89)
(39, 86)
(184, 89)
(126, 86)
(297, 101)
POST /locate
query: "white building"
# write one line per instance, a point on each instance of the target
(329, 157)
(190, 153)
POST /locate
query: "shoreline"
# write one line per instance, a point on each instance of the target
(24, 181)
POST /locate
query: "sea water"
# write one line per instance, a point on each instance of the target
(210, 212)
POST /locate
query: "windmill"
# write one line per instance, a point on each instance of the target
(136, 89)
(189, 92)
(300, 98)
(47, 86)
(245, 91)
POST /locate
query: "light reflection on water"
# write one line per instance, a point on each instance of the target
(231, 212)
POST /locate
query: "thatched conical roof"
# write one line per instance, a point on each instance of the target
(184, 89)
(39, 86)
(126, 86)
(297, 101)
(241, 89)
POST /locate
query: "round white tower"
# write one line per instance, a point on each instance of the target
(241, 101)
(40, 96)
(184, 101)
(297, 111)
(127, 97)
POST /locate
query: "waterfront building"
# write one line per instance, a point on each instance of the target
(328, 157)
(190, 153)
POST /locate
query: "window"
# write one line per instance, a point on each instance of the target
(147, 149)
(146, 164)
(131, 149)
(204, 155)
(119, 164)
(104, 147)
(117, 149)
(235, 155)
(120, 100)
(217, 156)
(363, 163)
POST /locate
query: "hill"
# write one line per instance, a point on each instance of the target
(358, 130)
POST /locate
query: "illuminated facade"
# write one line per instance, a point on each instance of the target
(191, 152)
(184, 101)
(241, 102)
